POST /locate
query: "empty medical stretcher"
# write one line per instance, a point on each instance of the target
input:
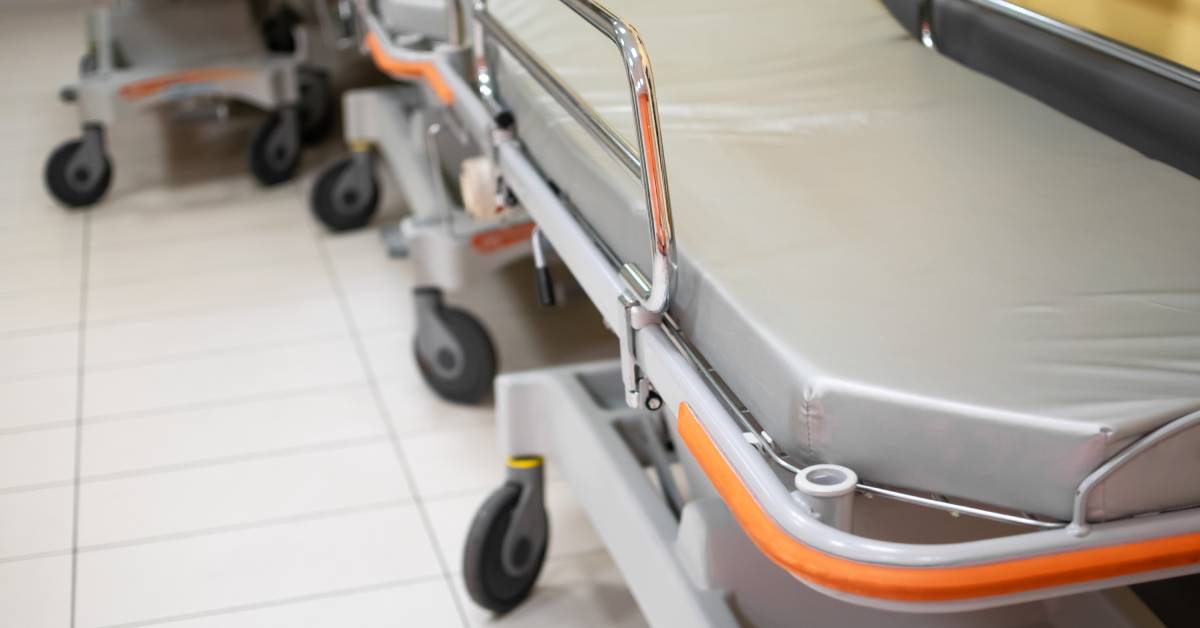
(907, 290)
(459, 228)
(144, 55)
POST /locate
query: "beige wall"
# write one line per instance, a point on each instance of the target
(1167, 28)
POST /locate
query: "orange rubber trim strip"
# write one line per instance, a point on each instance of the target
(411, 69)
(151, 86)
(925, 584)
(498, 239)
(643, 103)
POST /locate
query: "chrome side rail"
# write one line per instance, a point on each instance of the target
(1079, 519)
(653, 294)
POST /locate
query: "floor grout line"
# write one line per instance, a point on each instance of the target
(325, 595)
(100, 419)
(307, 339)
(37, 427)
(316, 515)
(85, 255)
(205, 310)
(393, 435)
(28, 332)
(299, 599)
(274, 263)
(193, 356)
(35, 375)
(179, 408)
(205, 463)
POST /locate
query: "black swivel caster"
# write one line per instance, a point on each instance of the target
(346, 195)
(506, 544)
(318, 105)
(79, 172)
(279, 30)
(275, 147)
(453, 350)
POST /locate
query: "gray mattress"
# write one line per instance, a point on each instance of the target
(897, 264)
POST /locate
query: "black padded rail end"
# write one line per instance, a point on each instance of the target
(907, 13)
(1152, 114)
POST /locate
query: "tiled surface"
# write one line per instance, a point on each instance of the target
(209, 414)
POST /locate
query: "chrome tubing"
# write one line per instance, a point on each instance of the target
(654, 293)
(1079, 521)
(566, 97)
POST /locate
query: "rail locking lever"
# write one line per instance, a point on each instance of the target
(649, 294)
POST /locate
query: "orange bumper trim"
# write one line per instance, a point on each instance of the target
(410, 69)
(151, 86)
(925, 584)
(498, 239)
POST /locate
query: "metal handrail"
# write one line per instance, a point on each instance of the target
(647, 162)
(1079, 518)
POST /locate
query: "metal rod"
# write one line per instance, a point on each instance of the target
(1079, 521)
(566, 97)
(653, 294)
(979, 513)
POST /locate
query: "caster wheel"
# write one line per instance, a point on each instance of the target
(490, 582)
(466, 379)
(274, 150)
(278, 30)
(340, 206)
(76, 185)
(317, 104)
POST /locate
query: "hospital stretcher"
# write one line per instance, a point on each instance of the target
(147, 54)
(925, 344)
(405, 128)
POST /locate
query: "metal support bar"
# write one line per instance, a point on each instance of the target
(653, 293)
(1079, 523)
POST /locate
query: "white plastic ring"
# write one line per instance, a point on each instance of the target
(826, 480)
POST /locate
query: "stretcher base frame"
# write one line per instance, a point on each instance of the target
(700, 569)
(107, 93)
(448, 248)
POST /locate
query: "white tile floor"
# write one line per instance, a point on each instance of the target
(208, 411)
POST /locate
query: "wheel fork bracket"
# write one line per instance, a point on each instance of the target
(433, 337)
(528, 519)
(88, 159)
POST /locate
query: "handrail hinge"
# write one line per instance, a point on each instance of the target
(637, 317)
